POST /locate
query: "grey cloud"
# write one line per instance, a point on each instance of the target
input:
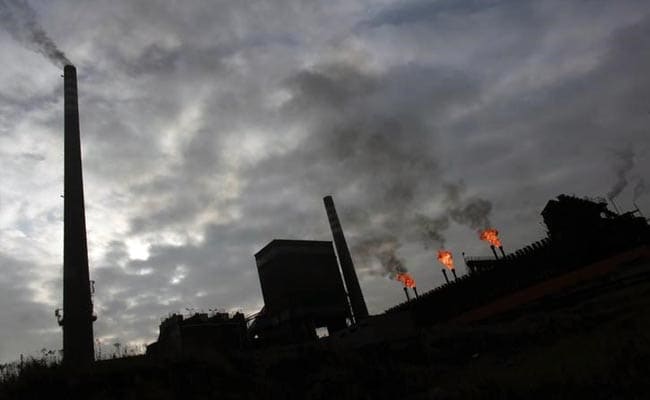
(372, 134)
(29, 319)
(419, 11)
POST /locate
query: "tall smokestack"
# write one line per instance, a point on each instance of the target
(359, 309)
(77, 305)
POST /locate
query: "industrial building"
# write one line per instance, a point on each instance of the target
(314, 310)
(200, 335)
(311, 291)
(586, 243)
(302, 289)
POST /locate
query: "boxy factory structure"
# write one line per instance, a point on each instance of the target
(304, 293)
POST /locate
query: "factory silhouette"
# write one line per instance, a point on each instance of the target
(313, 303)
(310, 290)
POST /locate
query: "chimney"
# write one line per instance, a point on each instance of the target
(445, 274)
(358, 304)
(78, 350)
(406, 292)
(494, 251)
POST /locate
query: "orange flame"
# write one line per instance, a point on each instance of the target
(446, 259)
(491, 236)
(406, 279)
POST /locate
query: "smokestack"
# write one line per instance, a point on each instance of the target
(358, 304)
(453, 272)
(78, 316)
(503, 253)
(494, 251)
(406, 292)
(638, 210)
(445, 274)
(415, 290)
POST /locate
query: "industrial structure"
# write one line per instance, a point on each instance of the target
(308, 294)
(302, 289)
(314, 305)
(200, 335)
(77, 319)
(580, 233)
(358, 304)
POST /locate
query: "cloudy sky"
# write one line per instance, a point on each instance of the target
(209, 128)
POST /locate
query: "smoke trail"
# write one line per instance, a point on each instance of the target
(376, 138)
(639, 189)
(432, 229)
(625, 160)
(19, 19)
(383, 249)
(473, 212)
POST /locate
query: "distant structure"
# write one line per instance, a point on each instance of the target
(580, 233)
(77, 321)
(302, 290)
(359, 309)
(200, 335)
(588, 249)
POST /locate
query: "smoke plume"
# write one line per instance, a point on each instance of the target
(639, 189)
(375, 132)
(624, 164)
(473, 212)
(432, 229)
(383, 250)
(19, 19)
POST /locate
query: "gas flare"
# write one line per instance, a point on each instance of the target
(491, 236)
(446, 259)
(406, 279)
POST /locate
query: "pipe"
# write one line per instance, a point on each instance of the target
(494, 252)
(638, 210)
(503, 253)
(358, 305)
(415, 290)
(453, 271)
(445, 274)
(406, 292)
